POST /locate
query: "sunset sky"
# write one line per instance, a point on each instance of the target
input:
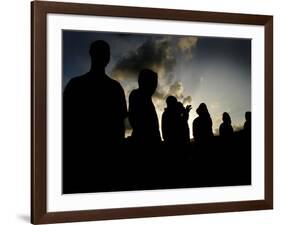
(213, 70)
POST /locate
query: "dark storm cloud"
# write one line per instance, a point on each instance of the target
(155, 54)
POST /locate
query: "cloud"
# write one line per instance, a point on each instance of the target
(186, 44)
(176, 89)
(155, 54)
(187, 100)
(215, 105)
(160, 55)
(160, 94)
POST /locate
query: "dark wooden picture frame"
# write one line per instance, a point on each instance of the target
(39, 11)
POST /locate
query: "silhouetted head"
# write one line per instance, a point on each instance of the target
(171, 101)
(148, 81)
(202, 110)
(100, 54)
(248, 116)
(226, 118)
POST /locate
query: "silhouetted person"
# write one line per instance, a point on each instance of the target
(226, 130)
(142, 113)
(94, 108)
(202, 125)
(175, 128)
(248, 124)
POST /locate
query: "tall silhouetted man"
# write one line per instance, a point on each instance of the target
(142, 113)
(94, 108)
(202, 125)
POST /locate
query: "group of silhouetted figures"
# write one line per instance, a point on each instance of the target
(94, 144)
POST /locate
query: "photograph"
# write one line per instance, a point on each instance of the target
(147, 112)
(154, 111)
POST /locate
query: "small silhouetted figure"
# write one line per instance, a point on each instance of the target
(175, 128)
(202, 125)
(247, 124)
(142, 113)
(94, 108)
(226, 130)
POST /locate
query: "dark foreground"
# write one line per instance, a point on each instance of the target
(131, 167)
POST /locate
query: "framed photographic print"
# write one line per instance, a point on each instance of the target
(142, 112)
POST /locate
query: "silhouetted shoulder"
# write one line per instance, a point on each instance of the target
(76, 82)
(114, 83)
(89, 79)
